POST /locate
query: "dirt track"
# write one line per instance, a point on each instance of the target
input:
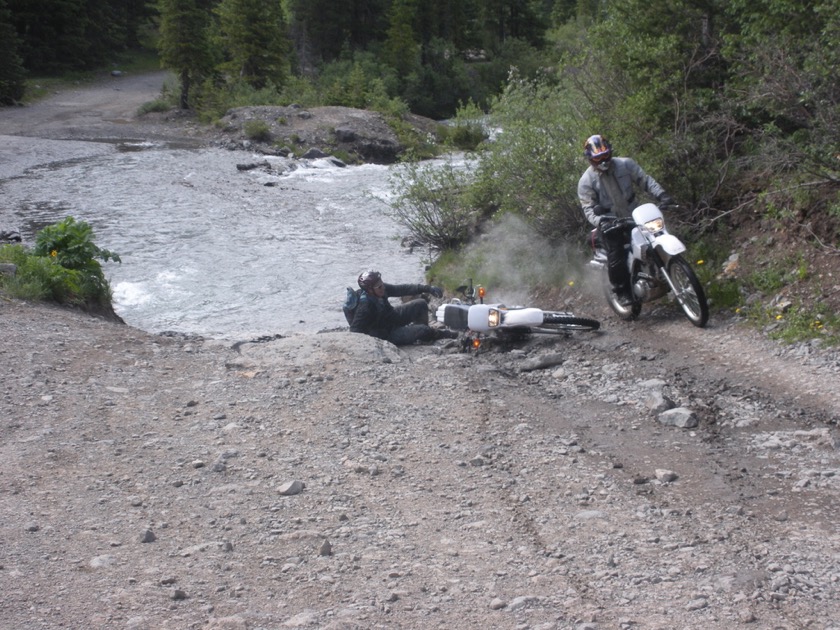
(147, 482)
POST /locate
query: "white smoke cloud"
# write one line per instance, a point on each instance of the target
(512, 258)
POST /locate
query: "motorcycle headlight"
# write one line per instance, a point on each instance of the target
(655, 226)
(494, 317)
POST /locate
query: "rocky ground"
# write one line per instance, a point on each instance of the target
(650, 475)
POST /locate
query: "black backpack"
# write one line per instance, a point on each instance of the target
(351, 302)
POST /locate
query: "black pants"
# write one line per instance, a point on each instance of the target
(615, 242)
(414, 312)
(414, 317)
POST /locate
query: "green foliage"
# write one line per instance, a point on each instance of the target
(157, 105)
(508, 258)
(361, 82)
(257, 130)
(402, 46)
(184, 43)
(62, 267)
(42, 278)
(212, 99)
(70, 242)
(300, 90)
(58, 36)
(784, 59)
(12, 72)
(435, 88)
(253, 36)
(432, 206)
(797, 323)
(532, 168)
(467, 130)
(418, 145)
(710, 255)
(767, 280)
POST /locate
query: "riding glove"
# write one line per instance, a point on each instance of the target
(666, 200)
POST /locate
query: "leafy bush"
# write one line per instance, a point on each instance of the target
(70, 242)
(467, 131)
(433, 205)
(62, 267)
(257, 130)
(532, 167)
(157, 105)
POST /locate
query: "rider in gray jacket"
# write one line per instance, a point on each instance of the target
(606, 191)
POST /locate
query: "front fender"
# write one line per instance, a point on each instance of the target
(669, 244)
(479, 317)
(523, 317)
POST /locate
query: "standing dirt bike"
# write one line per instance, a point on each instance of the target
(478, 320)
(656, 267)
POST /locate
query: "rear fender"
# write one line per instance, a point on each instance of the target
(453, 316)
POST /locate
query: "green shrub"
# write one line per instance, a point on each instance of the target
(63, 266)
(257, 130)
(157, 105)
(467, 130)
(70, 242)
(466, 137)
(432, 205)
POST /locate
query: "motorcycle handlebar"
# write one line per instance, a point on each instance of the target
(610, 222)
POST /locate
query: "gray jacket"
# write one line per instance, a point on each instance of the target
(592, 191)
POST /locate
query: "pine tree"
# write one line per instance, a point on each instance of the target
(254, 35)
(11, 66)
(184, 44)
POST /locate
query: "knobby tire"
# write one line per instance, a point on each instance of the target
(696, 307)
(563, 322)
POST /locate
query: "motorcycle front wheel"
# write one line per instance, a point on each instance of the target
(690, 292)
(554, 321)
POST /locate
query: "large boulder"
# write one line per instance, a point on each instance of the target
(358, 133)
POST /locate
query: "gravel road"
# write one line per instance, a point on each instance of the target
(651, 475)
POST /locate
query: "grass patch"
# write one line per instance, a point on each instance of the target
(797, 323)
(158, 105)
(710, 258)
(257, 130)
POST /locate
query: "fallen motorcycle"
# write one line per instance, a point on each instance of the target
(655, 264)
(479, 321)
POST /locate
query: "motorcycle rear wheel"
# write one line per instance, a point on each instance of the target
(693, 302)
(626, 313)
(554, 321)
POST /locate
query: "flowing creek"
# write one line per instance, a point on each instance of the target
(207, 248)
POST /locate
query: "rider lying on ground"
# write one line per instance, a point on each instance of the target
(403, 324)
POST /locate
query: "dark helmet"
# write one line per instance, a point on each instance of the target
(597, 150)
(369, 279)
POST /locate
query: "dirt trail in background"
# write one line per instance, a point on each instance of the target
(106, 108)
